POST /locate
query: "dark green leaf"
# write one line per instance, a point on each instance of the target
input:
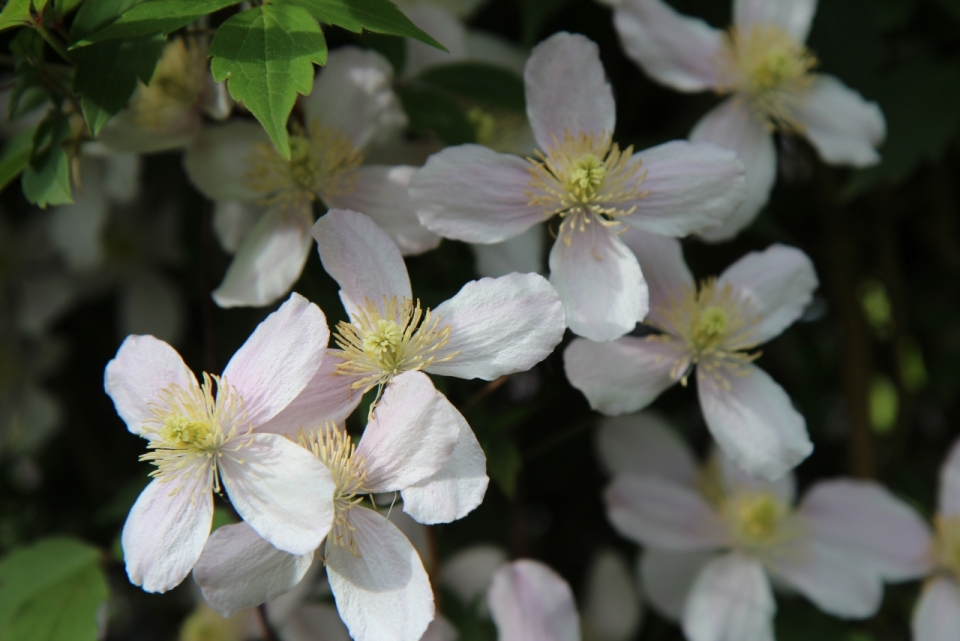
(27, 49)
(16, 13)
(484, 83)
(393, 48)
(15, 156)
(266, 55)
(96, 15)
(431, 111)
(65, 611)
(533, 14)
(46, 178)
(379, 16)
(503, 461)
(64, 7)
(157, 16)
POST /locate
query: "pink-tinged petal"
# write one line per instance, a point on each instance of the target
(499, 326)
(440, 630)
(361, 258)
(327, 397)
(445, 26)
(779, 282)
(664, 269)
(611, 604)
(870, 525)
(382, 592)
(269, 261)
(624, 375)
(167, 528)
(645, 444)
(937, 617)
(794, 16)
(281, 489)
(668, 576)
(753, 420)
(948, 503)
(232, 222)
(380, 192)
(240, 570)
(530, 601)
(676, 50)
(844, 128)
(221, 156)
(143, 366)
(690, 187)
(731, 600)
(278, 360)
(599, 281)
(473, 193)
(661, 513)
(456, 489)
(412, 434)
(736, 480)
(314, 622)
(523, 254)
(567, 90)
(734, 126)
(469, 572)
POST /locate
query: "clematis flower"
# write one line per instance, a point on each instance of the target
(716, 327)
(265, 203)
(585, 183)
(378, 581)
(529, 601)
(715, 536)
(761, 63)
(206, 436)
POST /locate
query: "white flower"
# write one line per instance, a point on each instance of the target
(583, 181)
(611, 606)
(351, 105)
(715, 326)
(715, 536)
(204, 436)
(531, 602)
(762, 63)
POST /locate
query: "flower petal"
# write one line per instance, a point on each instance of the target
(661, 513)
(621, 376)
(134, 378)
(669, 576)
(281, 489)
(220, 156)
(691, 187)
(380, 192)
(473, 193)
(599, 281)
(469, 572)
(948, 502)
(937, 617)
(440, 629)
(382, 591)
(278, 360)
(664, 269)
(232, 222)
(676, 50)
(499, 326)
(611, 607)
(529, 601)
(523, 254)
(313, 621)
(754, 421)
(795, 16)
(239, 570)
(412, 434)
(269, 261)
(645, 444)
(444, 25)
(567, 90)
(779, 281)
(731, 600)
(736, 480)
(166, 529)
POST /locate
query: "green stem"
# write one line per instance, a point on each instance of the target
(52, 41)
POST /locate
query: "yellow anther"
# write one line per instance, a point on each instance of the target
(710, 326)
(757, 519)
(586, 178)
(180, 431)
(484, 125)
(383, 342)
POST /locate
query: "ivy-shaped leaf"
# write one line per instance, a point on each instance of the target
(156, 16)
(266, 55)
(46, 177)
(94, 16)
(378, 16)
(65, 611)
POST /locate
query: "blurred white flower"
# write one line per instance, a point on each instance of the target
(611, 608)
(530, 602)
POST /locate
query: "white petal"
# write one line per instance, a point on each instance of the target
(473, 193)
(736, 480)
(869, 524)
(418, 534)
(779, 281)
(523, 254)
(382, 592)
(611, 607)
(456, 489)
(567, 90)
(645, 444)
(469, 572)
(232, 222)
(440, 629)
(361, 258)
(600, 283)
(662, 514)
(530, 601)
(500, 326)
(668, 577)
(221, 155)
(134, 378)
(795, 16)
(733, 126)
(413, 432)
(664, 269)
(674, 49)
(731, 600)
(948, 502)
(314, 622)
(380, 192)
(279, 488)
(151, 304)
(692, 187)
(444, 25)
(239, 570)
(278, 360)
(166, 529)
(754, 422)
(621, 376)
(844, 128)
(937, 617)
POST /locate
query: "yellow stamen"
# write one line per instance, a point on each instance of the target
(948, 543)
(758, 520)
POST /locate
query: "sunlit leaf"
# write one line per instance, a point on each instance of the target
(16, 13)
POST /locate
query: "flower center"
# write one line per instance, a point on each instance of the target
(710, 326)
(756, 519)
(175, 87)
(948, 543)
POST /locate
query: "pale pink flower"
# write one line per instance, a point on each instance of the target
(530, 602)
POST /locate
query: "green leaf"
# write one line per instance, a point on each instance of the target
(484, 83)
(533, 15)
(266, 55)
(107, 74)
(378, 16)
(66, 6)
(16, 13)
(15, 157)
(503, 461)
(97, 14)
(431, 111)
(65, 611)
(46, 178)
(156, 16)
